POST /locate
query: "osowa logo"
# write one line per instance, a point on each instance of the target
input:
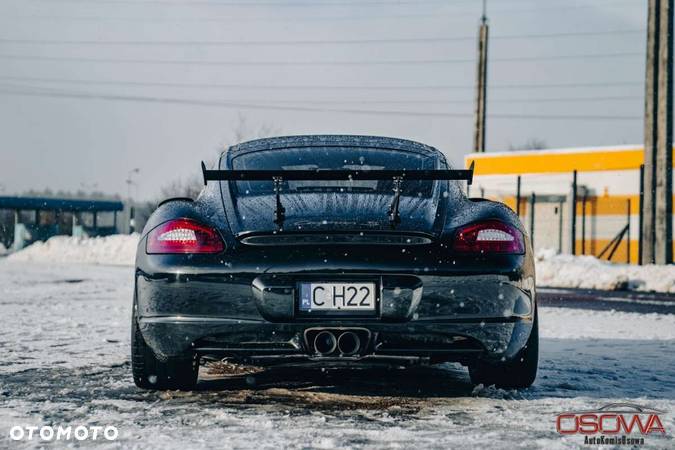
(60, 433)
(613, 424)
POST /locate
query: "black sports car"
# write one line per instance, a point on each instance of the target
(334, 251)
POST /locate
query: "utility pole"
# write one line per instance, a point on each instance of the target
(481, 85)
(657, 224)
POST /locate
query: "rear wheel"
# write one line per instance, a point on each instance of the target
(517, 373)
(149, 372)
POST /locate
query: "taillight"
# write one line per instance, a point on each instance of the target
(184, 236)
(491, 236)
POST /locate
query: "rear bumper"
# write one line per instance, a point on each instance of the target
(264, 342)
(419, 317)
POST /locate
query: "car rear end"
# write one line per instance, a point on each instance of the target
(336, 283)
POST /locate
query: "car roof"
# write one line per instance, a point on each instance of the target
(332, 140)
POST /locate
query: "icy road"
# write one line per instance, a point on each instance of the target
(64, 341)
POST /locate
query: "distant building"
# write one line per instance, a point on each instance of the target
(607, 195)
(38, 219)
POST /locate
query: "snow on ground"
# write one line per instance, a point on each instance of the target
(588, 272)
(119, 249)
(65, 345)
(3, 249)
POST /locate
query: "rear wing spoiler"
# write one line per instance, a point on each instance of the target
(279, 176)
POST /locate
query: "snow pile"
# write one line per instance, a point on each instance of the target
(119, 249)
(605, 325)
(3, 249)
(588, 272)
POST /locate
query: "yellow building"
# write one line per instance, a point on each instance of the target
(608, 189)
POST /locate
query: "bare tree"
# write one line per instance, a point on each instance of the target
(530, 144)
(243, 132)
(192, 185)
(190, 188)
(80, 194)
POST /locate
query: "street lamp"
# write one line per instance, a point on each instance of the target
(130, 181)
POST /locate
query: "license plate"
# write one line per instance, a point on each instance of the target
(337, 296)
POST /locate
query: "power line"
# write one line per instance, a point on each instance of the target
(311, 42)
(296, 100)
(331, 17)
(263, 3)
(591, 56)
(262, 106)
(225, 63)
(379, 87)
(594, 85)
(181, 3)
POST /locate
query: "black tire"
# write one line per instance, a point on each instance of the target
(515, 374)
(149, 372)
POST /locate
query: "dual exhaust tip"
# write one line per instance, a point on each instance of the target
(346, 343)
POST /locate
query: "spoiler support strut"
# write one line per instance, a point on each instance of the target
(279, 176)
(279, 211)
(394, 216)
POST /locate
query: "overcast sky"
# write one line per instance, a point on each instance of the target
(90, 89)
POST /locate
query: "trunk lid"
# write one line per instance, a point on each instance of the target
(334, 211)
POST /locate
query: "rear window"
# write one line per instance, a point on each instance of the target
(341, 158)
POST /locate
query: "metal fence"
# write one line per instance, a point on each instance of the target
(576, 220)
